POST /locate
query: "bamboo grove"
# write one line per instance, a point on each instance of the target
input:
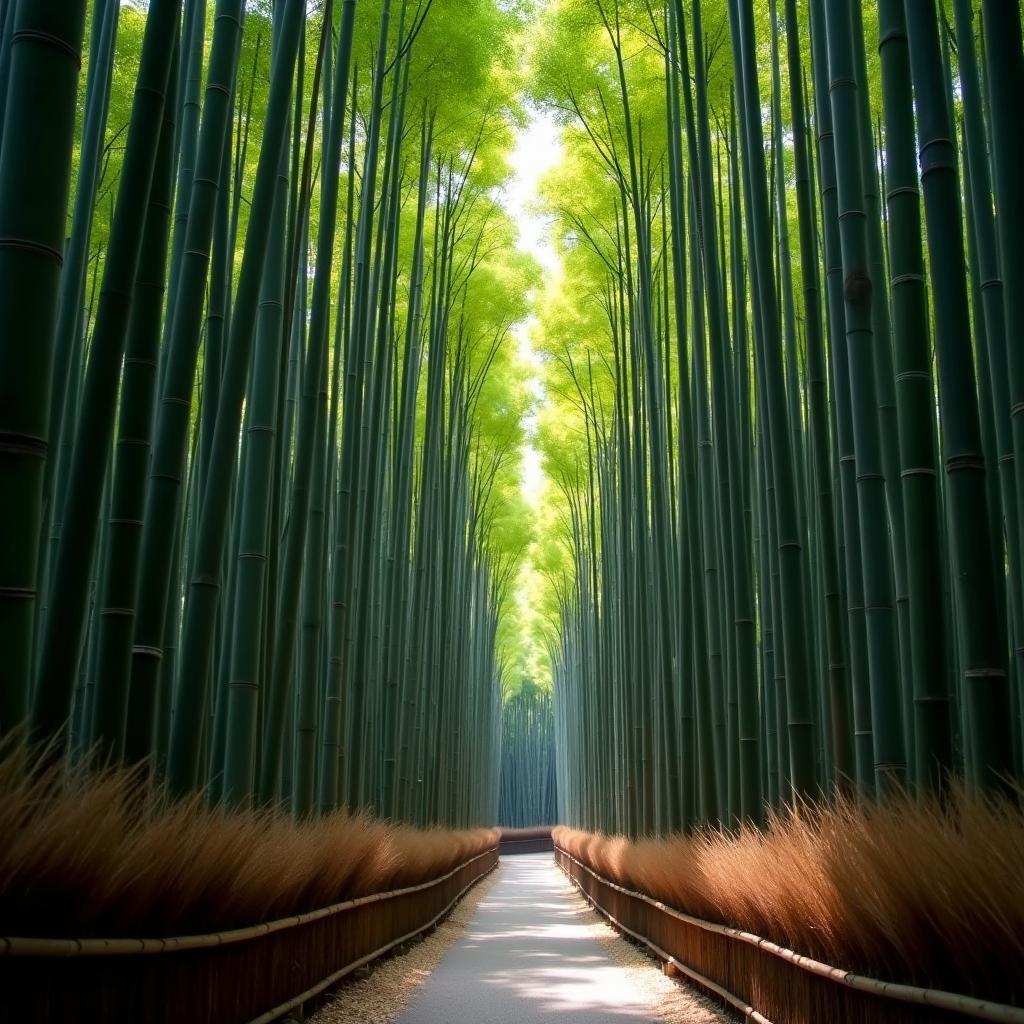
(260, 409)
(787, 335)
(263, 409)
(528, 794)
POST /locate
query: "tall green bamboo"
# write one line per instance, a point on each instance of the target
(838, 670)
(43, 55)
(933, 754)
(306, 436)
(1004, 68)
(800, 722)
(986, 275)
(138, 391)
(102, 44)
(68, 612)
(983, 661)
(202, 600)
(879, 594)
(182, 337)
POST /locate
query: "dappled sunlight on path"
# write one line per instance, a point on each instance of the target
(531, 954)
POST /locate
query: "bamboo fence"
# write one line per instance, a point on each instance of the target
(763, 981)
(245, 976)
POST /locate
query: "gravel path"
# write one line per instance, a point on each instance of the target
(381, 996)
(532, 953)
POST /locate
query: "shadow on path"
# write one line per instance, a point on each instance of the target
(528, 956)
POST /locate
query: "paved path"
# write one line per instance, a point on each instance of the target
(529, 956)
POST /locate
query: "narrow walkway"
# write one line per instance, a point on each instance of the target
(530, 956)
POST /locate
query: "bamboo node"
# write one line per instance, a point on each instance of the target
(904, 190)
(842, 82)
(965, 462)
(30, 245)
(30, 35)
(894, 35)
(23, 444)
(146, 651)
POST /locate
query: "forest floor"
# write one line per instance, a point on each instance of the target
(522, 948)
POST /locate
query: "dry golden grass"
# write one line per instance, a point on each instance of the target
(926, 895)
(97, 854)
